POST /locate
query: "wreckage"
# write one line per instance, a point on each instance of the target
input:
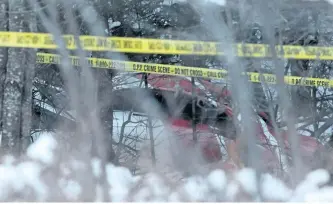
(200, 124)
(204, 120)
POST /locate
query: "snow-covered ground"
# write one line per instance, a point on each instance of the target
(45, 175)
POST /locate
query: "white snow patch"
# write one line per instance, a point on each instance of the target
(9, 181)
(29, 173)
(232, 190)
(323, 195)
(247, 178)
(71, 189)
(121, 180)
(96, 165)
(218, 2)
(114, 24)
(43, 148)
(28, 178)
(274, 189)
(196, 189)
(311, 184)
(217, 180)
(330, 1)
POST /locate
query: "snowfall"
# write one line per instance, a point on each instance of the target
(43, 176)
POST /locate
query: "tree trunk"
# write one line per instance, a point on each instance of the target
(3, 55)
(18, 62)
(29, 73)
(106, 110)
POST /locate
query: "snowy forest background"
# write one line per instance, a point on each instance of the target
(60, 122)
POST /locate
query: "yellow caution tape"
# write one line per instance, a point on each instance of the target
(159, 46)
(173, 70)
